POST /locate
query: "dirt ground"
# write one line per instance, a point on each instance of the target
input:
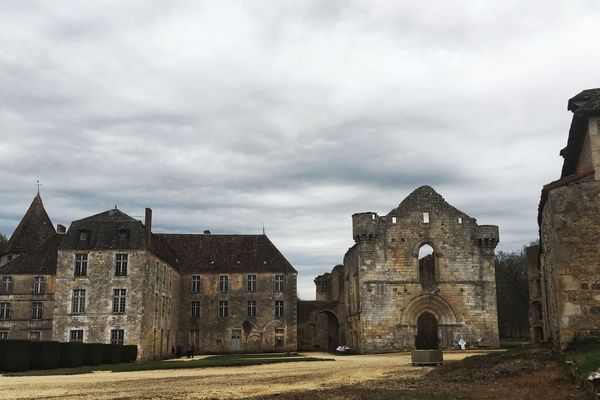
(348, 377)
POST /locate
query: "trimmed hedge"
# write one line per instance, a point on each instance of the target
(45, 355)
(112, 353)
(71, 354)
(15, 355)
(129, 353)
(94, 353)
(20, 355)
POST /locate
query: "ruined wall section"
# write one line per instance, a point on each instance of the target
(569, 256)
(391, 294)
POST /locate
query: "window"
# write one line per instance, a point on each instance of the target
(279, 334)
(4, 310)
(195, 338)
(195, 283)
(223, 283)
(223, 308)
(460, 220)
(34, 336)
(251, 283)
(83, 236)
(426, 217)
(78, 301)
(162, 313)
(7, 285)
(117, 336)
(76, 335)
(252, 308)
(394, 220)
(195, 309)
(3, 334)
(123, 237)
(81, 262)
(38, 284)
(119, 298)
(279, 283)
(121, 264)
(36, 310)
(279, 308)
(157, 266)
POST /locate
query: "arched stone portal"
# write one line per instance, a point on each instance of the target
(435, 307)
(427, 332)
(327, 330)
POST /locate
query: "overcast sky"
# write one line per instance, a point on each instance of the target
(296, 114)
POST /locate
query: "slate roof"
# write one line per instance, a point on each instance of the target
(226, 253)
(33, 230)
(583, 105)
(103, 234)
(587, 102)
(40, 261)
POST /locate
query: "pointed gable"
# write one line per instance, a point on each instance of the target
(425, 198)
(33, 230)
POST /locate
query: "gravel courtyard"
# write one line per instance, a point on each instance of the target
(216, 383)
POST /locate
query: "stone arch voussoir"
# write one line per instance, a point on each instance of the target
(436, 305)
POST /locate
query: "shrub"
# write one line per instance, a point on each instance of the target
(94, 353)
(129, 353)
(112, 353)
(15, 355)
(44, 355)
(71, 354)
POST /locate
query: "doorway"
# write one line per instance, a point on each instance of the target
(236, 340)
(427, 332)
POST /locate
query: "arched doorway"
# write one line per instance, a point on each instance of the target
(327, 331)
(427, 332)
(427, 273)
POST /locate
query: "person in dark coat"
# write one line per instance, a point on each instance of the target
(189, 351)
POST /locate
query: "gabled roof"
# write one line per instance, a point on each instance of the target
(226, 253)
(34, 229)
(421, 198)
(40, 261)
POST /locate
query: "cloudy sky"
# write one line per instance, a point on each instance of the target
(293, 114)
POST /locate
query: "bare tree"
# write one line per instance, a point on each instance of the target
(3, 241)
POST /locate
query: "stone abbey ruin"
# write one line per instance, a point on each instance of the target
(109, 278)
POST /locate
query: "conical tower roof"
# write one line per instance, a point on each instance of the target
(33, 230)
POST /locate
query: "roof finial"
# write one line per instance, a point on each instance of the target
(115, 206)
(37, 182)
(263, 228)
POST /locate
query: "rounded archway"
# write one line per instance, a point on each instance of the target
(427, 268)
(427, 332)
(327, 331)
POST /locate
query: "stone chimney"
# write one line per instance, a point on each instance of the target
(61, 229)
(148, 225)
(207, 232)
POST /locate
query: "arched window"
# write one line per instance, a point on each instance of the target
(427, 273)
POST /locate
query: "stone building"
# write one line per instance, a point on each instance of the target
(109, 279)
(27, 276)
(385, 297)
(565, 290)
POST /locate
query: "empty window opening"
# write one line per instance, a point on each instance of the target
(373, 217)
(426, 217)
(427, 273)
(393, 220)
(460, 220)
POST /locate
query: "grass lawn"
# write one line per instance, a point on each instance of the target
(514, 343)
(586, 355)
(225, 360)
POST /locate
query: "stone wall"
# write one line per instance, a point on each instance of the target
(215, 333)
(569, 259)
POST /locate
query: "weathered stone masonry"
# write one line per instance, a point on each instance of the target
(386, 298)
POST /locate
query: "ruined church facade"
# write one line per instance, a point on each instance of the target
(384, 298)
